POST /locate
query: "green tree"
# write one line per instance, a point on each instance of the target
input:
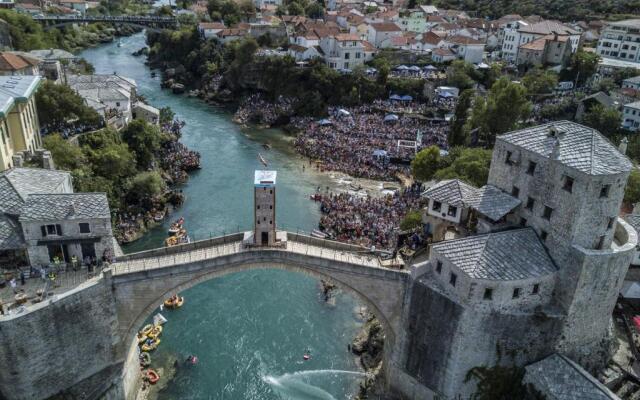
(471, 166)
(458, 133)
(584, 65)
(144, 140)
(58, 104)
(538, 81)
(632, 191)
(295, 8)
(107, 155)
(144, 187)
(604, 119)
(166, 115)
(411, 221)
(65, 155)
(606, 85)
(314, 10)
(426, 163)
(505, 106)
(459, 74)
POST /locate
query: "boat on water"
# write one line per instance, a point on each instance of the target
(319, 234)
(152, 376)
(176, 226)
(150, 345)
(155, 332)
(262, 160)
(180, 238)
(145, 359)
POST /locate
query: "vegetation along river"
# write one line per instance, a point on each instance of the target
(249, 329)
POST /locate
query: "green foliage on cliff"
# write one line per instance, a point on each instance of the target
(426, 163)
(565, 9)
(412, 220)
(468, 164)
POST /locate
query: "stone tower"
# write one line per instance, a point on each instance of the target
(571, 182)
(264, 208)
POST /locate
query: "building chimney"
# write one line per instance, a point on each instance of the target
(18, 160)
(47, 160)
(623, 145)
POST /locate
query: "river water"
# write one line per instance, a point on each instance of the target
(249, 329)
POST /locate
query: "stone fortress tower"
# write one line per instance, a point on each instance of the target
(537, 261)
(264, 208)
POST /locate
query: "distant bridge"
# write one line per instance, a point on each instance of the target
(141, 281)
(53, 21)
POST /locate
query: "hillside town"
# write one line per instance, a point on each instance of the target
(487, 160)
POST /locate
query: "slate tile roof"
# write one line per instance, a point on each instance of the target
(633, 220)
(559, 378)
(50, 207)
(508, 255)
(10, 234)
(26, 181)
(10, 200)
(488, 200)
(582, 148)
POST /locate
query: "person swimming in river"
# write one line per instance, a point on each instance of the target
(307, 355)
(193, 360)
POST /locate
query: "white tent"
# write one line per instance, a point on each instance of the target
(630, 290)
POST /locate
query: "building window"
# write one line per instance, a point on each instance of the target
(516, 293)
(515, 191)
(604, 191)
(543, 235)
(530, 203)
(437, 206)
(488, 294)
(568, 184)
(452, 211)
(51, 230)
(508, 160)
(523, 222)
(531, 168)
(536, 289)
(84, 227)
(347, 55)
(439, 267)
(600, 244)
(546, 214)
(612, 220)
(452, 279)
(258, 206)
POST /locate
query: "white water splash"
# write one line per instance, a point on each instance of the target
(291, 385)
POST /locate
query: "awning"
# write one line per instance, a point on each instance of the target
(342, 111)
(395, 97)
(380, 153)
(402, 68)
(414, 68)
(446, 94)
(391, 117)
(324, 122)
(430, 68)
(406, 97)
(630, 290)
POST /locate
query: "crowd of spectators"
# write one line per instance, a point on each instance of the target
(255, 109)
(368, 221)
(364, 143)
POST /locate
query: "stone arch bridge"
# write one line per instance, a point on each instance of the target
(141, 281)
(148, 22)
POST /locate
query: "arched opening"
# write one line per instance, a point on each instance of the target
(286, 316)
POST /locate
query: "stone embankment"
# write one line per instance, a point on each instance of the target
(368, 345)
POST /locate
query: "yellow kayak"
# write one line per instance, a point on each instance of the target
(155, 332)
(150, 347)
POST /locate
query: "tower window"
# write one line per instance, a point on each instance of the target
(543, 235)
(546, 214)
(452, 279)
(488, 294)
(536, 289)
(523, 222)
(452, 211)
(516, 293)
(531, 168)
(439, 267)
(600, 244)
(508, 160)
(604, 191)
(515, 191)
(612, 220)
(436, 206)
(258, 207)
(530, 203)
(568, 184)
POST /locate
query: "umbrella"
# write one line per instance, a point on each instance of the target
(395, 97)
(406, 97)
(445, 94)
(391, 117)
(430, 68)
(402, 68)
(324, 122)
(414, 68)
(379, 153)
(342, 111)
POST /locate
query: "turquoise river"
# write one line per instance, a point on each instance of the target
(249, 329)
